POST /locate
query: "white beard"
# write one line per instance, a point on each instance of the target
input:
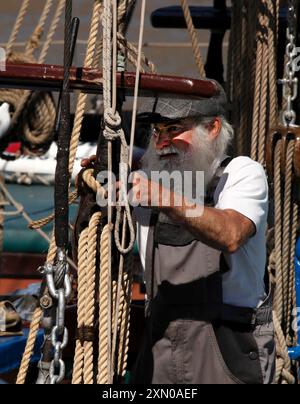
(200, 157)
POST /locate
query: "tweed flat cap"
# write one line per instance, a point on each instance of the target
(164, 108)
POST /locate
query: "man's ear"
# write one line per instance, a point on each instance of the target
(214, 128)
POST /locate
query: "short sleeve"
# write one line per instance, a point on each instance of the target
(245, 190)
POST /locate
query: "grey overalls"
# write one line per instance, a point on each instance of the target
(191, 336)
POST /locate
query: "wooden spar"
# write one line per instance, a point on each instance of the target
(50, 77)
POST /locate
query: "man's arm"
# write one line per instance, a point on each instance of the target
(241, 210)
(225, 230)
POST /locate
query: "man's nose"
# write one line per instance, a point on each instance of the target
(163, 140)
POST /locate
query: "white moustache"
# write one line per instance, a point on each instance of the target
(167, 150)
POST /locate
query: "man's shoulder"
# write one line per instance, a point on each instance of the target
(243, 166)
(243, 162)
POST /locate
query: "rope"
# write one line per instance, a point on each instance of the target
(194, 37)
(90, 296)
(52, 30)
(252, 89)
(292, 287)
(131, 52)
(104, 312)
(265, 95)
(137, 81)
(82, 99)
(38, 224)
(82, 273)
(125, 319)
(120, 312)
(119, 298)
(84, 353)
(274, 9)
(278, 232)
(263, 113)
(18, 23)
(285, 240)
(283, 363)
(286, 236)
(34, 40)
(34, 327)
(258, 84)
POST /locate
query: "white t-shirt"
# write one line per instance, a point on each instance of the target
(243, 188)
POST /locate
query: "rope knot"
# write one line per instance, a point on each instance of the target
(112, 124)
(112, 119)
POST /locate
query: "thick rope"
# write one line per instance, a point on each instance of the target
(273, 40)
(194, 37)
(89, 304)
(82, 273)
(283, 362)
(286, 236)
(278, 232)
(265, 94)
(258, 84)
(83, 370)
(34, 327)
(292, 287)
(285, 240)
(104, 313)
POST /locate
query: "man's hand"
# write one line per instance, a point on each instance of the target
(148, 193)
(88, 162)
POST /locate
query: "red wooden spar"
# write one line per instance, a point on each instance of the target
(50, 77)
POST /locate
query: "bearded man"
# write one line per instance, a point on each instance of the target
(209, 319)
(208, 315)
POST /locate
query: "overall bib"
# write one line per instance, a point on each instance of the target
(191, 336)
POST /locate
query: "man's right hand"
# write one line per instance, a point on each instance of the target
(88, 162)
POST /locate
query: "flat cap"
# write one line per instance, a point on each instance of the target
(164, 108)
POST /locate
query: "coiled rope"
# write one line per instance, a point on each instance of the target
(38, 108)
